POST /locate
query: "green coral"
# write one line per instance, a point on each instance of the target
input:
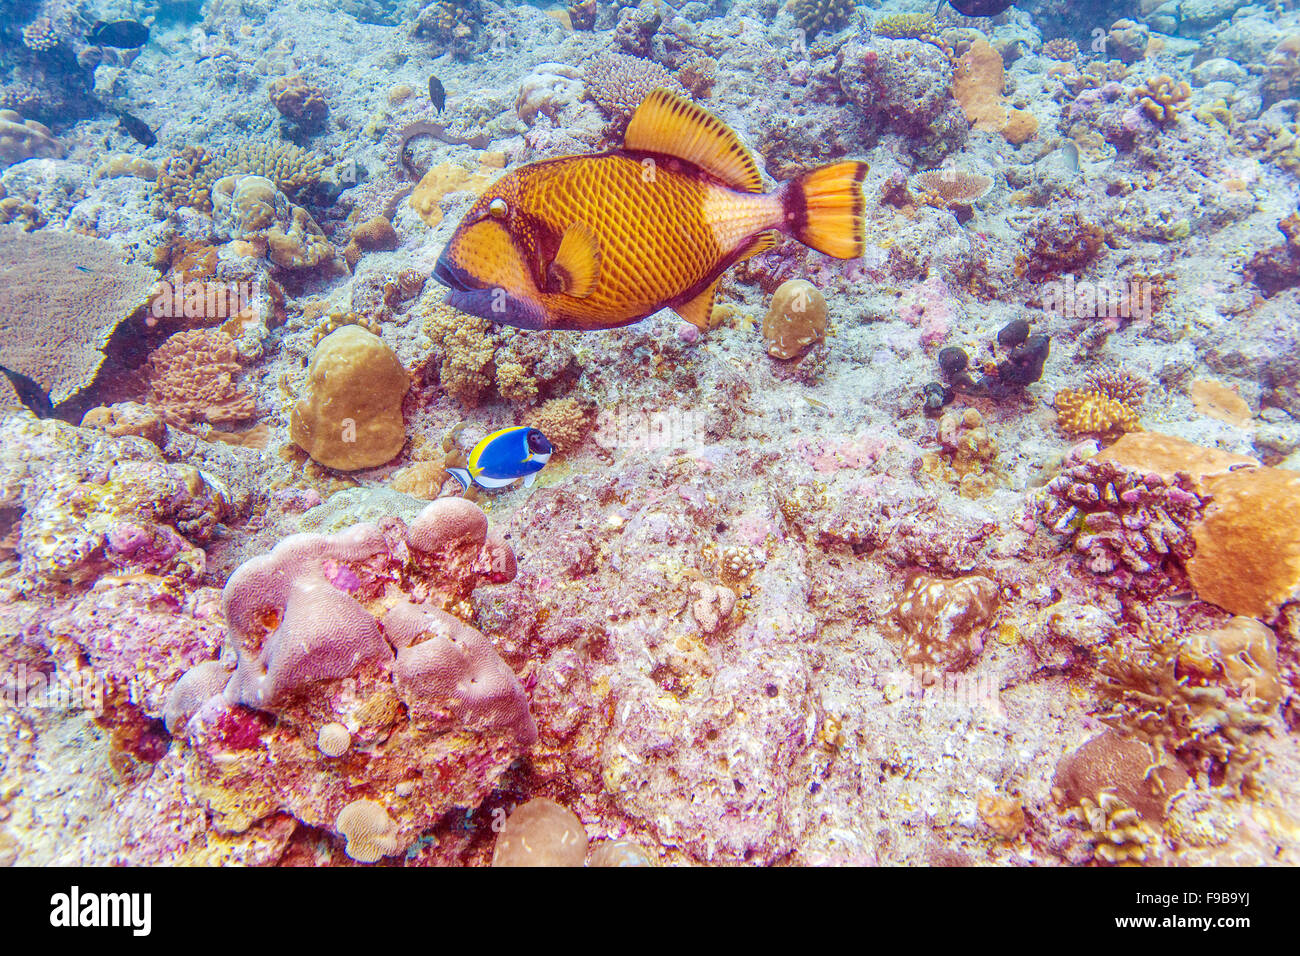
(905, 26)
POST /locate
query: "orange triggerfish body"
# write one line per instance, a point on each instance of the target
(599, 241)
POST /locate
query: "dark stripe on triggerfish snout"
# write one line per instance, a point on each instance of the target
(493, 304)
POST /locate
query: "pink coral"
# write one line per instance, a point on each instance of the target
(928, 305)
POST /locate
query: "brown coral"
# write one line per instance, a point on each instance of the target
(1061, 48)
(955, 186)
(299, 101)
(465, 346)
(564, 421)
(186, 178)
(1058, 244)
(374, 234)
(1162, 98)
(369, 830)
(817, 16)
(617, 83)
(61, 296)
(795, 319)
(940, 622)
(192, 378)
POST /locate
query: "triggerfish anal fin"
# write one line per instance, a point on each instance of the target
(667, 124)
(576, 267)
(699, 310)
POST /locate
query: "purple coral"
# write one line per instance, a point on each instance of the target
(1127, 525)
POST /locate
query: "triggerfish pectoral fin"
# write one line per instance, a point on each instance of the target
(576, 268)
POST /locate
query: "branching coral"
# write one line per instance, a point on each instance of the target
(1119, 836)
(465, 345)
(617, 83)
(1061, 48)
(905, 26)
(1124, 521)
(62, 295)
(565, 421)
(1207, 728)
(1093, 413)
(1162, 98)
(192, 378)
(941, 623)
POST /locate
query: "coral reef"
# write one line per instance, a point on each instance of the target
(186, 177)
(22, 139)
(1162, 98)
(818, 16)
(941, 623)
(541, 833)
(299, 102)
(617, 82)
(905, 26)
(192, 378)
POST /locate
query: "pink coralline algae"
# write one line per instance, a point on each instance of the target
(354, 629)
(928, 306)
(1131, 529)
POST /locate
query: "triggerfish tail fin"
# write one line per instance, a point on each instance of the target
(461, 475)
(825, 209)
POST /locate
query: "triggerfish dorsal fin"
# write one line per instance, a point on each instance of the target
(699, 310)
(576, 267)
(666, 123)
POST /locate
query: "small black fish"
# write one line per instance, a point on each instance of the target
(136, 128)
(975, 8)
(123, 34)
(437, 95)
(30, 393)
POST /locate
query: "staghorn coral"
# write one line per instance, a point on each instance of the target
(1207, 728)
(564, 421)
(955, 186)
(906, 26)
(71, 292)
(350, 416)
(22, 139)
(299, 101)
(192, 378)
(617, 82)
(940, 623)
(1093, 413)
(795, 319)
(186, 178)
(1247, 557)
(818, 16)
(541, 833)
(1124, 521)
(1162, 98)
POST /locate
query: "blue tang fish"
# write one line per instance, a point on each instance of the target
(505, 456)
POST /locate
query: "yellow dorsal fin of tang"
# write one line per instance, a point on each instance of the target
(666, 123)
(576, 266)
(699, 310)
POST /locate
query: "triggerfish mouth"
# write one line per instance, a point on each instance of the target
(505, 456)
(600, 241)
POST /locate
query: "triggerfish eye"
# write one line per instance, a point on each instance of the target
(497, 209)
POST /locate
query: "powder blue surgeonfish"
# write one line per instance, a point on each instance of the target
(505, 456)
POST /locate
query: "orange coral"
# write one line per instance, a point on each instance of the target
(1162, 97)
(191, 377)
(1153, 453)
(1092, 413)
(373, 234)
(977, 86)
(1247, 557)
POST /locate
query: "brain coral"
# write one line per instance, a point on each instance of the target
(351, 415)
(369, 830)
(313, 629)
(61, 297)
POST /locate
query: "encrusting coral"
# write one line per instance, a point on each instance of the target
(192, 378)
(954, 186)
